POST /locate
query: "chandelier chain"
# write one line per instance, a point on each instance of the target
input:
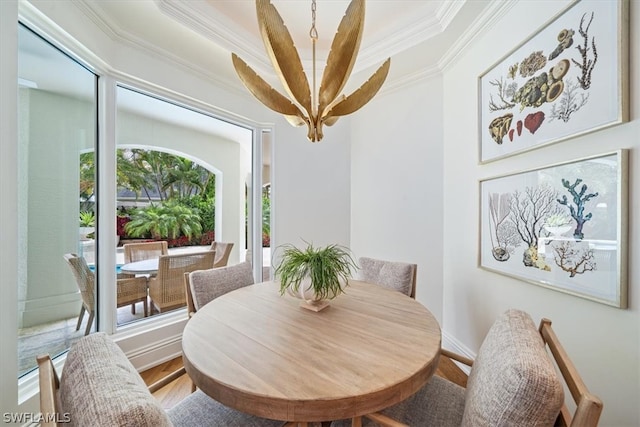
(313, 33)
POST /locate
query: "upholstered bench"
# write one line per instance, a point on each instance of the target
(100, 387)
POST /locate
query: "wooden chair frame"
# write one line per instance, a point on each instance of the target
(50, 386)
(588, 406)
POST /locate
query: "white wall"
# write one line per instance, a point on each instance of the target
(415, 197)
(603, 341)
(310, 188)
(396, 183)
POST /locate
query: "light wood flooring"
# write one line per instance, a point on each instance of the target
(177, 390)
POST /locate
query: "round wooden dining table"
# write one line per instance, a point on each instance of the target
(261, 353)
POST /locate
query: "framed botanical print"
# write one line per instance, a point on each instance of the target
(562, 226)
(569, 78)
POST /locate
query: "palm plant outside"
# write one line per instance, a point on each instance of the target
(180, 194)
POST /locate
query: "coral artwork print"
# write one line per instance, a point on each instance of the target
(558, 226)
(553, 86)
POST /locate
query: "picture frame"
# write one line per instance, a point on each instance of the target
(563, 227)
(568, 79)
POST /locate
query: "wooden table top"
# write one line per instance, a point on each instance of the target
(263, 354)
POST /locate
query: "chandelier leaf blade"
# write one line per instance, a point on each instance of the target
(303, 108)
(343, 54)
(362, 95)
(262, 90)
(283, 54)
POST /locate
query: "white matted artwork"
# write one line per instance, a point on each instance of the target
(568, 79)
(563, 227)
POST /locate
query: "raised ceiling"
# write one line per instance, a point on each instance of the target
(205, 32)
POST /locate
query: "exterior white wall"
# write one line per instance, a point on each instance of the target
(224, 156)
(604, 342)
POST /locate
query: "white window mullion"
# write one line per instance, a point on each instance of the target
(106, 172)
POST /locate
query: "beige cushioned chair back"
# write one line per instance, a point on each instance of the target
(207, 285)
(100, 387)
(513, 381)
(399, 276)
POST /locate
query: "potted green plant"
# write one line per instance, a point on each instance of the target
(315, 275)
(87, 224)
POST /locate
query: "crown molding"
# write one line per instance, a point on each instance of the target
(116, 33)
(227, 34)
(220, 30)
(489, 16)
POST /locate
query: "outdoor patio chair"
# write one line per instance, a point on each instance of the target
(99, 386)
(513, 382)
(85, 280)
(145, 250)
(140, 251)
(399, 276)
(130, 290)
(223, 250)
(166, 289)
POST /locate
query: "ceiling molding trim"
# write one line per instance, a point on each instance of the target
(221, 31)
(118, 35)
(226, 34)
(375, 52)
(489, 16)
(106, 25)
(411, 79)
(448, 12)
(46, 27)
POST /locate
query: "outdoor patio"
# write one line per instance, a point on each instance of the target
(56, 337)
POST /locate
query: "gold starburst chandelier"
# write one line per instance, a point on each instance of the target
(309, 106)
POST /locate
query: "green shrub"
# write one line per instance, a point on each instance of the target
(166, 221)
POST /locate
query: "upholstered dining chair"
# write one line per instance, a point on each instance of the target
(513, 382)
(166, 289)
(130, 290)
(399, 276)
(203, 286)
(99, 386)
(223, 250)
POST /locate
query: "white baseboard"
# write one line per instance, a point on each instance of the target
(451, 343)
(152, 343)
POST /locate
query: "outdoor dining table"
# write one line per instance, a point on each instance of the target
(146, 266)
(260, 352)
